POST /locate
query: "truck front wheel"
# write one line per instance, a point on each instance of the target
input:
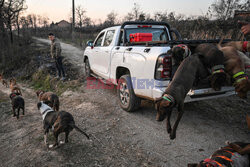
(87, 68)
(127, 99)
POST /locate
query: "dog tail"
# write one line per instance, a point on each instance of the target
(219, 44)
(79, 130)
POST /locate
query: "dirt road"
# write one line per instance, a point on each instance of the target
(118, 138)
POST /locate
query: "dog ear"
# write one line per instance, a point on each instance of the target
(39, 104)
(38, 92)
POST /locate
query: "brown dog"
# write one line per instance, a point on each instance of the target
(49, 96)
(4, 82)
(18, 103)
(228, 156)
(14, 87)
(243, 46)
(235, 67)
(190, 68)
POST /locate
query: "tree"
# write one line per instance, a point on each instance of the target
(1, 17)
(45, 21)
(12, 8)
(224, 9)
(87, 21)
(111, 19)
(136, 14)
(80, 12)
(161, 16)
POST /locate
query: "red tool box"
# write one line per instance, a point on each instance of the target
(140, 37)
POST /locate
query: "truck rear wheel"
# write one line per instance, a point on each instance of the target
(127, 99)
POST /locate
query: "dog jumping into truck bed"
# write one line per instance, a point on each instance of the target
(49, 96)
(174, 95)
(213, 59)
(228, 156)
(59, 122)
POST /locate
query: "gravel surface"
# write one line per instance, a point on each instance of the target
(118, 138)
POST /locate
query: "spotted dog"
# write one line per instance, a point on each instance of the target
(174, 95)
(58, 122)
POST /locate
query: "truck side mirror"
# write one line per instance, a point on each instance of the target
(90, 43)
(175, 34)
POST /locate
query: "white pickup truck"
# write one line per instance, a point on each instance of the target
(134, 57)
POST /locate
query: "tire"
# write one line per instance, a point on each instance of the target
(87, 68)
(128, 101)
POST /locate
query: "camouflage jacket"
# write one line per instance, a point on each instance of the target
(55, 48)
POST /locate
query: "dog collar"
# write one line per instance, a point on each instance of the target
(244, 46)
(45, 109)
(239, 76)
(241, 79)
(218, 69)
(169, 98)
(186, 49)
(13, 95)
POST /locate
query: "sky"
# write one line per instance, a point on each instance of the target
(57, 10)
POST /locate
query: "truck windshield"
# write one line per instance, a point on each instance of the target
(158, 34)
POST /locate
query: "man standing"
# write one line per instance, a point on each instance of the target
(55, 51)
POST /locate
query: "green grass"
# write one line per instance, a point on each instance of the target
(41, 80)
(3, 100)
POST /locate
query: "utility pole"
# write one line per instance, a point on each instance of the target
(73, 14)
(73, 19)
